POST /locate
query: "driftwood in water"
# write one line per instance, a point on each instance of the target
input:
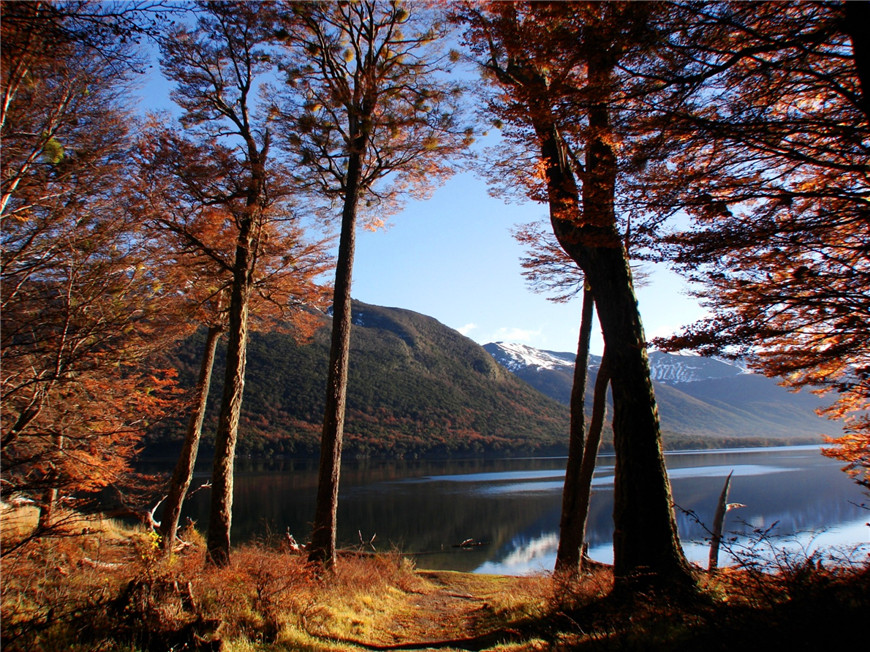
(722, 508)
(469, 543)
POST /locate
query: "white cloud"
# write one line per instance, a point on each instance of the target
(465, 330)
(517, 335)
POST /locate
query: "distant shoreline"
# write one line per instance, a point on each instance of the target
(751, 444)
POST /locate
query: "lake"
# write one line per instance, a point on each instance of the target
(511, 506)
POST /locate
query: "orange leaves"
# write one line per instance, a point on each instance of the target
(546, 266)
(771, 165)
(374, 223)
(189, 196)
(854, 449)
(86, 432)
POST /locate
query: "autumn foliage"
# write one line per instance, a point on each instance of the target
(727, 139)
(82, 307)
(766, 107)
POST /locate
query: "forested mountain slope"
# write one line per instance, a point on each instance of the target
(416, 387)
(419, 388)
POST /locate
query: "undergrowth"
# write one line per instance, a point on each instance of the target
(98, 585)
(103, 586)
(788, 603)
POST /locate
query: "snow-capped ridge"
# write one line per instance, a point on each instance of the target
(668, 368)
(518, 356)
(673, 369)
(696, 396)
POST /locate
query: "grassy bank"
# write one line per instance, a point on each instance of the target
(98, 585)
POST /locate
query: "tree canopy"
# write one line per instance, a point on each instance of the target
(82, 309)
(766, 111)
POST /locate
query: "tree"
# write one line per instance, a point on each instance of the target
(198, 239)
(368, 122)
(767, 111)
(547, 267)
(560, 87)
(215, 65)
(81, 308)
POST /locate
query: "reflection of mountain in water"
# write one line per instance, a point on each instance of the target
(513, 506)
(797, 491)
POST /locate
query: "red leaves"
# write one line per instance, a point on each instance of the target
(770, 162)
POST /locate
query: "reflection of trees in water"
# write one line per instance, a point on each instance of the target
(409, 508)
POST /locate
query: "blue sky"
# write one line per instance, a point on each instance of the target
(453, 258)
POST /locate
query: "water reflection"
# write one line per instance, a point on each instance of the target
(502, 476)
(511, 507)
(841, 544)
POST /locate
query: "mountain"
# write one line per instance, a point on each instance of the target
(674, 369)
(416, 387)
(697, 397)
(419, 388)
(549, 372)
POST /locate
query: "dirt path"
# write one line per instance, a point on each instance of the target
(456, 611)
(447, 612)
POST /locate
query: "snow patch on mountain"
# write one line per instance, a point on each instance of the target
(665, 368)
(673, 369)
(520, 356)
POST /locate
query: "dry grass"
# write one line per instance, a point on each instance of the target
(805, 608)
(50, 582)
(16, 523)
(100, 585)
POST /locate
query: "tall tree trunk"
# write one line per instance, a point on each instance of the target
(221, 509)
(645, 543)
(322, 547)
(593, 441)
(646, 547)
(183, 473)
(572, 522)
(581, 484)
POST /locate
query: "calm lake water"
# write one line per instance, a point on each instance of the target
(426, 508)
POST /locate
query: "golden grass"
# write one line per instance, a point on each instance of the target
(362, 598)
(105, 585)
(17, 522)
